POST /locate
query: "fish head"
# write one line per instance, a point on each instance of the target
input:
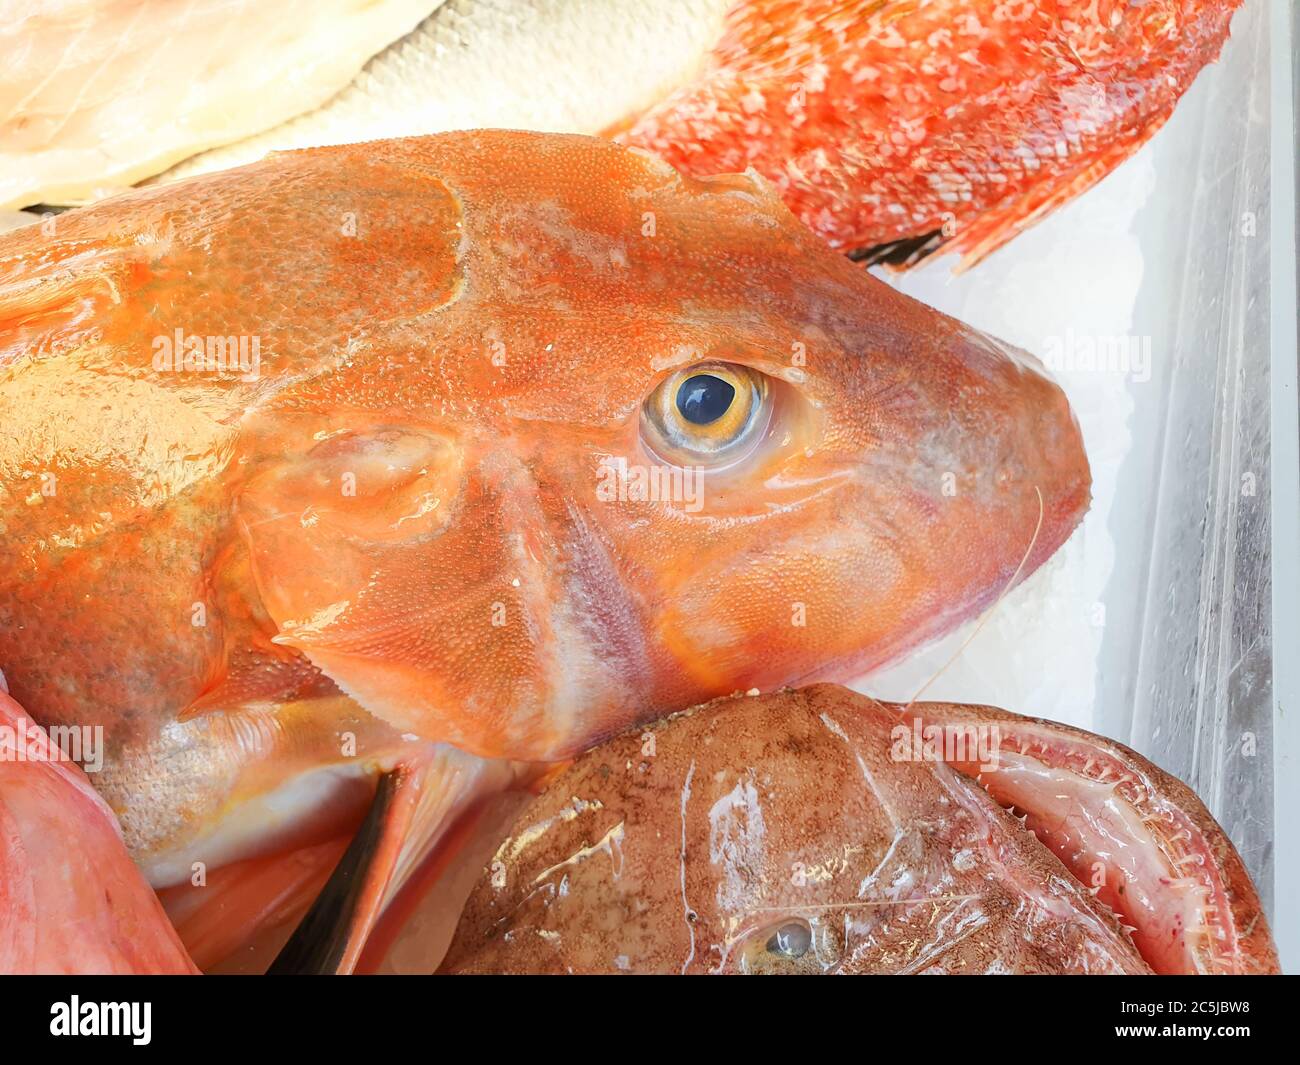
(776, 834)
(651, 442)
(818, 831)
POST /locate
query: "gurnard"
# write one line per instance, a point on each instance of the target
(429, 457)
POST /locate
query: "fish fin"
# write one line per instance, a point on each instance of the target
(427, 623)
(1175, 877)
(429, 882)
(417, 924)
(902, 253)
(243, 905)
(996, 226)
(255, 673)
(71, 899)
(415, 805)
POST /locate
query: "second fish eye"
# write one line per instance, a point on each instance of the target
(791, 940)
(789, 947)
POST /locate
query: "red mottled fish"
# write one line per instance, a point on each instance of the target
(891, 127)
(894, 127)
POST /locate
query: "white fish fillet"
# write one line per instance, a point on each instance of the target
(566, 66)
(97, 94)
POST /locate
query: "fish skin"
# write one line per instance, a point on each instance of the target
(556, 66)
(682, 848)
(893, 128)
(886, 121)
(195, 579)
(71, 901)
(98, 94)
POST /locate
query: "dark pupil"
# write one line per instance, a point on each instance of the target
(792, 940)
(704, 398)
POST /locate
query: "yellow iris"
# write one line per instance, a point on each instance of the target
(708, 414)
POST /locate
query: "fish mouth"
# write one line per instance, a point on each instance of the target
(1139, 838)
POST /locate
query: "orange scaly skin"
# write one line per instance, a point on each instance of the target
(882, 121)
(395, 531)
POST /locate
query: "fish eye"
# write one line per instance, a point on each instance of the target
(791, 940)
(709, 414)
(793, 946)
(703, 398)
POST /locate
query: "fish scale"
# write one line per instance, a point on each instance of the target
(564, 66)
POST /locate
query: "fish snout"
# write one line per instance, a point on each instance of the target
(1006, 472)
(940, 468)
(973, 474)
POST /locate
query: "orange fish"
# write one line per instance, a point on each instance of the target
(497, 440)
(818, 831)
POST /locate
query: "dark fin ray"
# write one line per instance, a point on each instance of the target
(900, 253)
(324, 938)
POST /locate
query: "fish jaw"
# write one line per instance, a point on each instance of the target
(1139, 836)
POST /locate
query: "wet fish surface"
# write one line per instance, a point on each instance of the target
(808, 832)
(435, 455)
(97, 94)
